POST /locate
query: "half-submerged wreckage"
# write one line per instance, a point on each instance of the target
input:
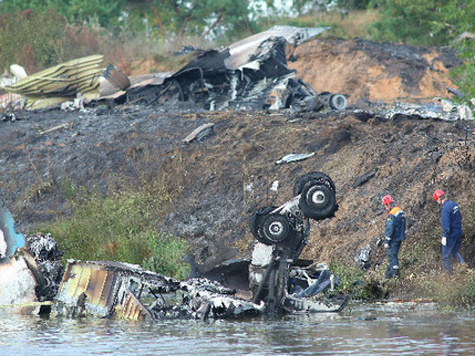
(277, 276)
(251, 74)
(276, 281)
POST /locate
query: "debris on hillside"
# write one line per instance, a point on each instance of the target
(294, 157)
(441, 109)
(60, 83)
(251, 74)
(199, 133)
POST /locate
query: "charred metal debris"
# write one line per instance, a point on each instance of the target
(275, 281)
(276, 275)
(251, 74)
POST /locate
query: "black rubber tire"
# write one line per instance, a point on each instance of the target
(275, 229)
(256, 220)
(318, 176)
(317, 201)
(338, 102)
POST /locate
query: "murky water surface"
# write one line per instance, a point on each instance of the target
(377, 329)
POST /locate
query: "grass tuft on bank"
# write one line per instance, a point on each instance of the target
(121, 226)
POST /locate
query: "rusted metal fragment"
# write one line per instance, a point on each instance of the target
(116, 77)
(118, 290)
(106, 289)
(364, 178)
(32, 308)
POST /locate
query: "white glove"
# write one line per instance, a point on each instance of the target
(444, 241)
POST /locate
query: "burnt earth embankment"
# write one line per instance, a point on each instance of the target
(370, 72)
(221, 179)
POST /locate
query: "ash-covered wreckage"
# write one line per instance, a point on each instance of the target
(273, 281)
(251, 74)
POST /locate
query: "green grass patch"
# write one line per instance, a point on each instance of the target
(354, 281)
(123, 226)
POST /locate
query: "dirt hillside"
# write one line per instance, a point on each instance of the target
(221, 179)
(369, 71)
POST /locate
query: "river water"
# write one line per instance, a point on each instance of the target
(362, 329)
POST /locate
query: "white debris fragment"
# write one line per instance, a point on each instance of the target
(3, 245)
(262, 254)
(199, 133)
(294, 157)
(438, 109)
(275, 186)
(464, 112)
(18, 71)
(18, 283)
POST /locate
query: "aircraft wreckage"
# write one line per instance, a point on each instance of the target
(251, 74)
(274, 281)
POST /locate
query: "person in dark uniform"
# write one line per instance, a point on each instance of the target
(451, 221)
(394, 234)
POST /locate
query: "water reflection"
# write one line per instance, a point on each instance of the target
(363, 330)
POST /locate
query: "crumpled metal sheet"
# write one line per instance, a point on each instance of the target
(107, 289)
(243, 51)
(251, 74)
(60, 83)
(437, 109)
(120, 290)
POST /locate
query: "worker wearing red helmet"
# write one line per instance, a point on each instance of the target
(451, 221)
(394, 234)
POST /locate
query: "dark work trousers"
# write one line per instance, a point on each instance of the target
(393, 262)
(451, 249)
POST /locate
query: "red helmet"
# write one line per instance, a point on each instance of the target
(437, 194)
(387, 199)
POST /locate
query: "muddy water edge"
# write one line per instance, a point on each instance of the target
(362, 329)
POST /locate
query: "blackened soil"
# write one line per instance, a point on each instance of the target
(222, 178)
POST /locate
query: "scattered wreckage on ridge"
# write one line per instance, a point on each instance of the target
(251, 74)
(275, 281)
